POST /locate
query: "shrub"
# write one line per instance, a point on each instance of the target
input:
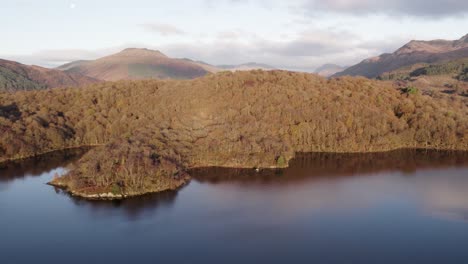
(281, 162)
(411, 90)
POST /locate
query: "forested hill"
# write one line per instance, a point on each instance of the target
(15, 76)
(243, 119)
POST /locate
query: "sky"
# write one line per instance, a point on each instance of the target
(293, 34)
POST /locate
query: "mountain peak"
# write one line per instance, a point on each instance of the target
(432, 46)
(136, 63)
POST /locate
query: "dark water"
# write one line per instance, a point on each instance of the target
(398, 207)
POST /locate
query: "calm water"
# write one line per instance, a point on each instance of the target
(400, 207)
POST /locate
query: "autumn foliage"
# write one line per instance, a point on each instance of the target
(243, 119)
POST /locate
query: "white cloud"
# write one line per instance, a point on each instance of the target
(296, 34)
(417, 8)
(163, 29)
(304, 51)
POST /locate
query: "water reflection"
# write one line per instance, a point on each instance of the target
(307, 166)
(444, 194)
(133, 208)
(312, 182)
(34, 167)
(437, 180)
(400, 207)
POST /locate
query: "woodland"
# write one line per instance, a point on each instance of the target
(146, 135)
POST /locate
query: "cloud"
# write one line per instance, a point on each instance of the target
(314, 42)
(304, 51)
(419, 8)
(54, 58)
(163, 29)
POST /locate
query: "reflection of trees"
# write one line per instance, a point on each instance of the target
(34, 167)
(133, 208)
(10, 171)
(332, 165)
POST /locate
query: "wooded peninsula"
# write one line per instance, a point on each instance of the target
(146, 135)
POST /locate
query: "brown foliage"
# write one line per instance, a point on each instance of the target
(243, 119)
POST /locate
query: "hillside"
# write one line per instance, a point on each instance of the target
(147, 134)
(15, 76)
(328, 70)
(134, 64)
(208, 67)
(455, 69)
(448, 77)
(414, 52)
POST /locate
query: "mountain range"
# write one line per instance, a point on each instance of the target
(133, 63)
(414, 52)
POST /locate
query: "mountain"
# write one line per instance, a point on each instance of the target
(208, 67)
(136, 64)
(16, 76)
(247, 67)
(328, 70)
(414, 52)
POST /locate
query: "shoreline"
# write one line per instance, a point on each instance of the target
(38, 155)
(2, 161)
(109, 196)
(185, 180)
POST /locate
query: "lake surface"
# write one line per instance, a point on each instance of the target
(398, 207)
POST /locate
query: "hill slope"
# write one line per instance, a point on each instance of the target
(448, 77)
(414, 52)
(456, 69)
(133, 64)
(147, 133)
(15, 76)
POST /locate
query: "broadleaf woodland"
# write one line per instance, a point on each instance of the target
(148, 133)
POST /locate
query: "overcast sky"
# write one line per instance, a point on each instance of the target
(293, 34)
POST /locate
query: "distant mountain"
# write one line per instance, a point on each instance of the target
(15, 76)
(247, 67)
(328, 70)
(208, 67)
(414, 52)
(240, 67)
(136, 64)
(72, 65)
